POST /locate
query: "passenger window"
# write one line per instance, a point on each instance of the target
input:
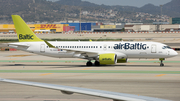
(100, 46)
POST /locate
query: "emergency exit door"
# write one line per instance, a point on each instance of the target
(153, 49)
(42, 48)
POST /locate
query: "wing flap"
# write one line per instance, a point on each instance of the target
(98, 93)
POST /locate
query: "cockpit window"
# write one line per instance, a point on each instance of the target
(166, 47)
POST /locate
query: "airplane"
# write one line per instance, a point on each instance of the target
(92, 92)
(104, 53)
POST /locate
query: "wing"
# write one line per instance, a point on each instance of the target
(98, 93)
(86, 54)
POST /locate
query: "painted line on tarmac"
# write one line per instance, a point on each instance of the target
(46, 74)
(90, 71)
(18, 55)
(160, 75)
(74, 61)
(86, 69)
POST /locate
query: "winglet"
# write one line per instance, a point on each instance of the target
(24, 33)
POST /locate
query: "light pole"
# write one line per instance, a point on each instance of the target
(161, 16)
(80, 22)
(161, 10)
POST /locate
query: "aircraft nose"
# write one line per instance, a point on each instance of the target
(173, 53)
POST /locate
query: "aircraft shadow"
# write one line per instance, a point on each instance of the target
(76, 66)
(50, 65)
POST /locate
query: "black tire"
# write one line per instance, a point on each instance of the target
(89, 64)
(161, 64)
(97, 63)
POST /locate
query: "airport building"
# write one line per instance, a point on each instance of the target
(107, 28)
(174, 20)
(92, 27)
(84, 26)
(53, 28)
(38, 28)
(151, 28)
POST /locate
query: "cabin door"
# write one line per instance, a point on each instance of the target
(153, 49)
(42, 48)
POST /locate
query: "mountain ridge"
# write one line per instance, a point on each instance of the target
(171, 8)
(42, 10)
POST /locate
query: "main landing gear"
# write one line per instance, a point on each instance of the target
(89, 63)
(96, 63)
(162, 64)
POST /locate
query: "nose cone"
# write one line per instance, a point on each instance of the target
(173, 53)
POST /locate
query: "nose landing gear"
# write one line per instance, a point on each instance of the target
(162, 64)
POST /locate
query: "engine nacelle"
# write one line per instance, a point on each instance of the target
(124, 60)
(109, 58)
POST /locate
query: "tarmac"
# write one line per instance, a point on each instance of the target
(139, 77)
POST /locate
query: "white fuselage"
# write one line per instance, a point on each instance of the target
(122, 49)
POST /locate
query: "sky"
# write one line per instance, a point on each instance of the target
(136, 3)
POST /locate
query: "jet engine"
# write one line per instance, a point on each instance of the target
(109, 58)
(124, 60)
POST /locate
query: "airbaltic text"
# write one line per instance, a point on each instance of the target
(130, 46)
(24, 37)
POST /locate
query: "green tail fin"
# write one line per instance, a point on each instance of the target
(24, 33)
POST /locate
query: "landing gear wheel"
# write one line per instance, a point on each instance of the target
(96, 63)
(161, 64)
(89, 63)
